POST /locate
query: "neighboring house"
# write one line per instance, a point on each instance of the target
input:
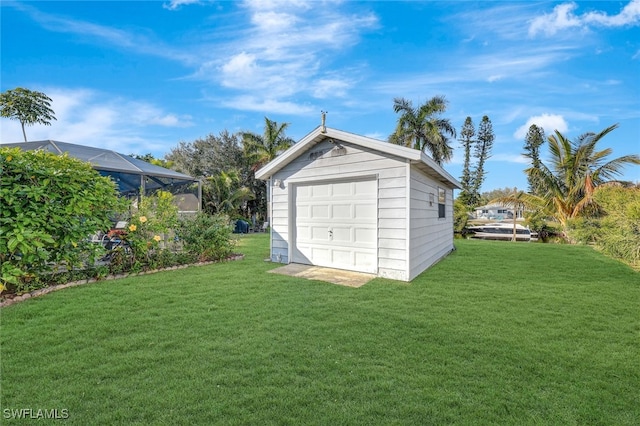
(130, 174)
(350, 202)
(496, 212)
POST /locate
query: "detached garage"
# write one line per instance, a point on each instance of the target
(346, 201)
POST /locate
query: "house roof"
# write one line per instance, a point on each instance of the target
(102, 159)
(129, 174)
(319, 134)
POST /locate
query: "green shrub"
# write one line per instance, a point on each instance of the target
(618, 234)
(207, 237)
(460, 215)
(148, 233)
(51, 204)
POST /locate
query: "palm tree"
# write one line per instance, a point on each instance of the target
(422, 129)
(224, 194)
(576, 168)
(262, 149)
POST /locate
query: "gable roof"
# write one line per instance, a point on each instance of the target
(319, 134)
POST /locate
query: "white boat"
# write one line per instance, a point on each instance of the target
(500, 231)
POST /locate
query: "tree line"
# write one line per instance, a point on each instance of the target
(562, 188)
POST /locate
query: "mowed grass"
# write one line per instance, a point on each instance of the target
(496, 333)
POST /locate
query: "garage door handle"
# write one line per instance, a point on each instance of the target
(331, 234)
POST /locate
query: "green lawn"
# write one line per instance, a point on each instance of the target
(496, 333)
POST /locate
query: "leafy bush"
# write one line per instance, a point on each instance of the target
(618, 234)
(206, 236)
(51, 204)
(148, 233)
(460, 215)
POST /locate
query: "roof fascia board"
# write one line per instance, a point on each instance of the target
(435, 166)
(318, 135)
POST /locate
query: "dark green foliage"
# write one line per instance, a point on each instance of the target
(467, 195)
(423, 129)
(51, 205)
(482, 152)
(211, 157)
(533, 141)
(617, 231)
(27, 106)
(575, 169)
(460, 215)
(260, 149)
(207, 237)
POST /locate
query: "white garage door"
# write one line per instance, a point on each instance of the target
(336, 225)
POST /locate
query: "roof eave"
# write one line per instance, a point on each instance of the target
(319, 134)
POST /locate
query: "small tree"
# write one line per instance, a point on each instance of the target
(27, 106)
(467, 139)
(533, 141)
(482, 152)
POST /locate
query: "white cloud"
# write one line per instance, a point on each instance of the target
(630, 15)
(549, 122)
(330, 88)
(509, 158)
(271, 21)
(176, 4)
(563, 17)
(93, 118)
(283, 50)
(240, 70)
(268, 105)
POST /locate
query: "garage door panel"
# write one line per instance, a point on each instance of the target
(321, 190)
(319, 234)
(304, 212)
(341, 211)
(319, 212)
(336, 224)
(320, 254)
(341, 235)
(341, 189)
(365, 236)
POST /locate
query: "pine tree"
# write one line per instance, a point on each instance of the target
(482, 153)
(467, 133)
(532, 143)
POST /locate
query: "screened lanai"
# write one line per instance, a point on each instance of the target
(130, 174)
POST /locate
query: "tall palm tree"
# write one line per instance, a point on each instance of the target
(575, 170)
(260, 149)
(421, 128)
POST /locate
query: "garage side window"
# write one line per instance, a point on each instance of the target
(441, 202)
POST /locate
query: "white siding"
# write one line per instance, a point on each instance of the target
(403, 208)
(431, 237)
(321, 163)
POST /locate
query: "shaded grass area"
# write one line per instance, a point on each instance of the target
(497, 333)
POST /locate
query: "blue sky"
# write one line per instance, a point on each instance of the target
(142, 76)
